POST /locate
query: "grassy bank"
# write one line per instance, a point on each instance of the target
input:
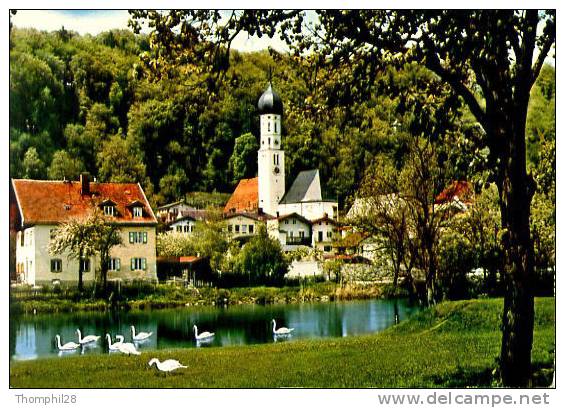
(451, 345)
(148, 296)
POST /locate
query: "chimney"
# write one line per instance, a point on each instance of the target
(84, 184)
(259, 211)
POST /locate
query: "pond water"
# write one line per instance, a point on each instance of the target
(33, 337)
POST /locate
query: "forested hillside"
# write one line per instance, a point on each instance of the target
(82, 103)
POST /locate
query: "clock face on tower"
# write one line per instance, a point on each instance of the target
(276, 170)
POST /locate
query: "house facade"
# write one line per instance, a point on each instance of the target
(38, 207)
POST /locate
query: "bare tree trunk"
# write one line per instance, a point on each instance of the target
(516, 189)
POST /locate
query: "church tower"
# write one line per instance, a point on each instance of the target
(270, 155)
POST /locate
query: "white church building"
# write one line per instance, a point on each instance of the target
(265, 196)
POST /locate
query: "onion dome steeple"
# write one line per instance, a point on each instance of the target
(270, 102)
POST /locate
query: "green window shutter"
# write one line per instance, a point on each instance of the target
(143, 263)
(131, 237)
(132, 264)
(145, 237)
(117, 264)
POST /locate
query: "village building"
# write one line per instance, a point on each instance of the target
(266, 195)
(245, 224)
(324, 232)
(38, 207)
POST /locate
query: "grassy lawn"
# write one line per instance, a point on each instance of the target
(452, 345)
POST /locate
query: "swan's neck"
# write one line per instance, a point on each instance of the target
(58, 342)
(133, 331)
(109, 340)
(274, 325)
(195, 331)
(79, 336)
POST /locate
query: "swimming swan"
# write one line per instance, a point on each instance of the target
(202, 336)
(71, 345)
(282, 330)
(140, 335)
(86, 339)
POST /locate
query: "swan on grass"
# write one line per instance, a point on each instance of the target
(126, 348)
(139, 336)
(202, 336)
(281, 330)
(70, 346)
(114, 346)
(167, 365)
(86, 339)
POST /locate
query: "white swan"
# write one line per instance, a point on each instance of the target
(281, 330)
(71, 345)
(115, 346)
(140, 335)
(86, 339)
(167, 365)
(126, 348)
(202, 336)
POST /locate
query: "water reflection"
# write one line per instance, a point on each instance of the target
(33, 336)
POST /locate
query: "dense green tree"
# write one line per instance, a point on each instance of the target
(261, 260)
(33, 166)
(243, 161)
(120, 161)
(64, 167)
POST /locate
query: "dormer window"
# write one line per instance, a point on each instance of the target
(109, 210)
(136, 209)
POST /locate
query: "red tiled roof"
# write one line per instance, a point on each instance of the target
(462, 189)
(245, 198)
(52, 202)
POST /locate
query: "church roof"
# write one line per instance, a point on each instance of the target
(306, 187)
(245, 198)
(270, 102)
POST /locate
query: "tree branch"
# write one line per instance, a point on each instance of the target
(549, 40)
(432, 63)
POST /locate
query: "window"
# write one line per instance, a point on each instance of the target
(186, 228)
(269, 141)
(251, 228)
(21, 238)
(275, 126)
(327, 248)
(139, 237)
(294, 221)
(85, 265)
(109, 210)
(52, 234)
(138, 264)
(179, 229)
(230, 228)
(291, 234)
(268, 126)
(286, 222)
(237, 229)
(192, 228)
(56, 265)
(114, 264)
(244, 229)
(329, 234)
(137, 212)
(301, 234)
(276, 159)
(320, 236)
